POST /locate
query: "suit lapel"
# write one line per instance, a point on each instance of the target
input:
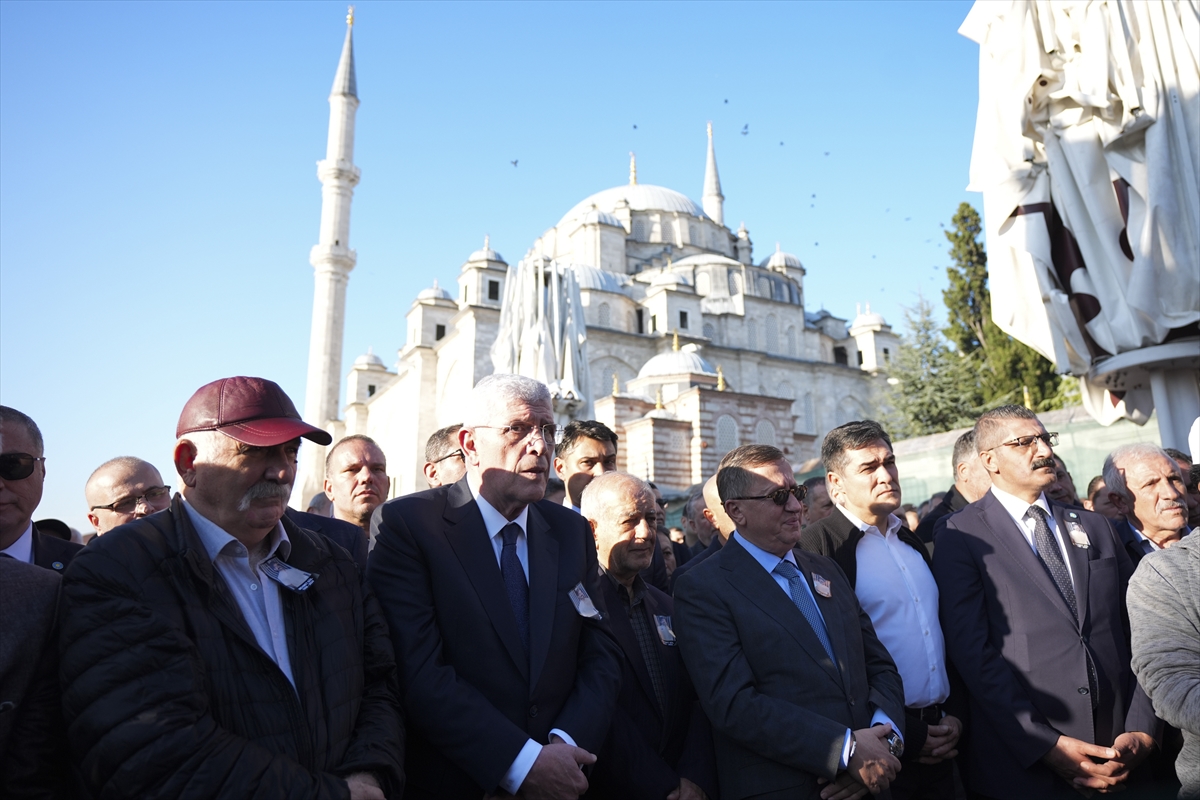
(752, 580)
(543, 581)
(1079, 556)
(468, 538)
(1007, 535)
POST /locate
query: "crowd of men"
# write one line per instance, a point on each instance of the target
(501, 635)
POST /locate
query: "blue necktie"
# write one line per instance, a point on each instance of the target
(805, 602)
(514, 580)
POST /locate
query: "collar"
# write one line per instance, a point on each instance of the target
(768, 561)
(627, 597)
(215, 538)
(493, 520)
(22, 548)
(1017, 507)
(893, 523)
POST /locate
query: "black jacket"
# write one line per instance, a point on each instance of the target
(51, 552)
(953, 501)
(167, 693)
(346, 534)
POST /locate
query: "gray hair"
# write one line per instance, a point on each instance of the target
(598, 494)
(496, 391)
(8, 414)
(964, 449)
(988, 426)
(1114, 465)
(442, 442)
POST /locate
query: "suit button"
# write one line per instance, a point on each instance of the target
(851, 701)
(1083, 690)
(533, 711)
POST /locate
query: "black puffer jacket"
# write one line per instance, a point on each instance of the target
(167, 694)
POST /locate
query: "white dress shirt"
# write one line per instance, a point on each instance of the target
(1016, 508)
(899, 594)
(22, 548)
(256, 595)
(494, 522)
(769, 561)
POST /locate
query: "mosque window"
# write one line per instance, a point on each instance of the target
(752, 334)
(683, 320)
(810, 421)
(694, 235)
(887, 356)
(764, 433)
(839, 356)
(860, 358)
(604, 316)
(370, 390)
(654, 323)
(639, 229)
(641, 320)
(772, 327)
(667, 231)
(727, 434)
(493, 290)
(735, 283)
(439, 332)
(710, 332)
(791, 341)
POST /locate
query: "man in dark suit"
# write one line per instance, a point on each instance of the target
(493, 600)
(660, 742)
(1144, 483)
(348, 536)
(888, 568)
(1033, 610)
(784, 660)
(971, 482)
(22, 476)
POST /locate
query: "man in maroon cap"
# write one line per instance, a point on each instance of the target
(218, 650)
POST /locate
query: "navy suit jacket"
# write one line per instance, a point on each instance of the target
(648, 749)
(51, 552)
(471, 694)
(778, 705)
(349, 536)
(1022, 654)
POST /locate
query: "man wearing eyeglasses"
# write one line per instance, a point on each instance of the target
(123, 489)
(1033, 611)
(444, 462)
(492, 596)
(802, 696)
(888, 567)
(22, 476)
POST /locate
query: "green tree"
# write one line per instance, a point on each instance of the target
(933, 386)
(1006, 365)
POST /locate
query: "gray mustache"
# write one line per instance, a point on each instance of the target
(1043, 462)
(264, 490)
(1174, 504)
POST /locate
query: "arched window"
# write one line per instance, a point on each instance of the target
(791, 341)
(751, 334)
(639, 229)
(810, 417)
(764, 433)
(604, 316)
(727, 434)
(772, 334)
(667, 230)
(694, 235)
(735, 283)
(764, 286)
(710, 332)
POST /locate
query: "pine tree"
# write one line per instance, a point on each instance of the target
(1006, 365)
(933, 385)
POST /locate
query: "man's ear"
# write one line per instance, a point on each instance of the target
(92, 518)
(988, 459)
(185, 461)
(466, 443)
(735, 513)
(559, 464)
(327, 487)
(833, 481)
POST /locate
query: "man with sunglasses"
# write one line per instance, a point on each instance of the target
(493, 599)
(22, 477)
(802, 696)
(888, 567)
(123, 489)
(1033, 610)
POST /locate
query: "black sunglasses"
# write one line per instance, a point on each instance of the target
(17, 466)
(780, 496)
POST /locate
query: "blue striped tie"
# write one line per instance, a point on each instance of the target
(805, 602)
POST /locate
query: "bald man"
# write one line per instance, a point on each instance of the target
(123, 489)
(714, 512)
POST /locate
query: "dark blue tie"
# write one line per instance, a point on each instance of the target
(514, 580)
(805, 602)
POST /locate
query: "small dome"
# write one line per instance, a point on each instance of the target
(487, 253)
(868, 318)
(685, 360)
(669, 279)
(779, 260)
(434, 292)
(597, 279)
(598, 217)
(367, 360)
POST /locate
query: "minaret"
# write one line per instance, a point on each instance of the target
(331, 258)
(713, 201)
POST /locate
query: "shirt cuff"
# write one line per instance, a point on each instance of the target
(880, 718)
(845, 763)
(566, 737)
(512, 780)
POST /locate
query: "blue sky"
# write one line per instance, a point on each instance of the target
(158, 193)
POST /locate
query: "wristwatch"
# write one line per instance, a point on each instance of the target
(895, 744)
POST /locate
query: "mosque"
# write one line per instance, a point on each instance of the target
(693, 347)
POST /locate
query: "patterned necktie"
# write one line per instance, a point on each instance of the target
(514, 580)
(805, 602)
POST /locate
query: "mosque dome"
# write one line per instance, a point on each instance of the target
(368, 360)
(435, 292)
(868, 318)
(683, 361)
(487, 253)
(598, 217)
(780, 260)
(637, 197)
(597, 279)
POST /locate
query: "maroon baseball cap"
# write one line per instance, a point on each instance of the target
(253, 411)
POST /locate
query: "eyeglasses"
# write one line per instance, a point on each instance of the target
(780, 496)
(127, 505)
(456, 453)
(1025, 442)
(17, 466)
(551, 434)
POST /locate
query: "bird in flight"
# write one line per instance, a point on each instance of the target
(726, 101)
(635, 127)
(745, 129)
(781, 144)
(514, 161)
(826, 152)
(906, 219)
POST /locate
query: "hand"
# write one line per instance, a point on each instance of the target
(873, 765)
(1068, 758)
(364, 786)
(844, 788)
(687, 791)
(1131, 749)
(941, 741)
(556, 774)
